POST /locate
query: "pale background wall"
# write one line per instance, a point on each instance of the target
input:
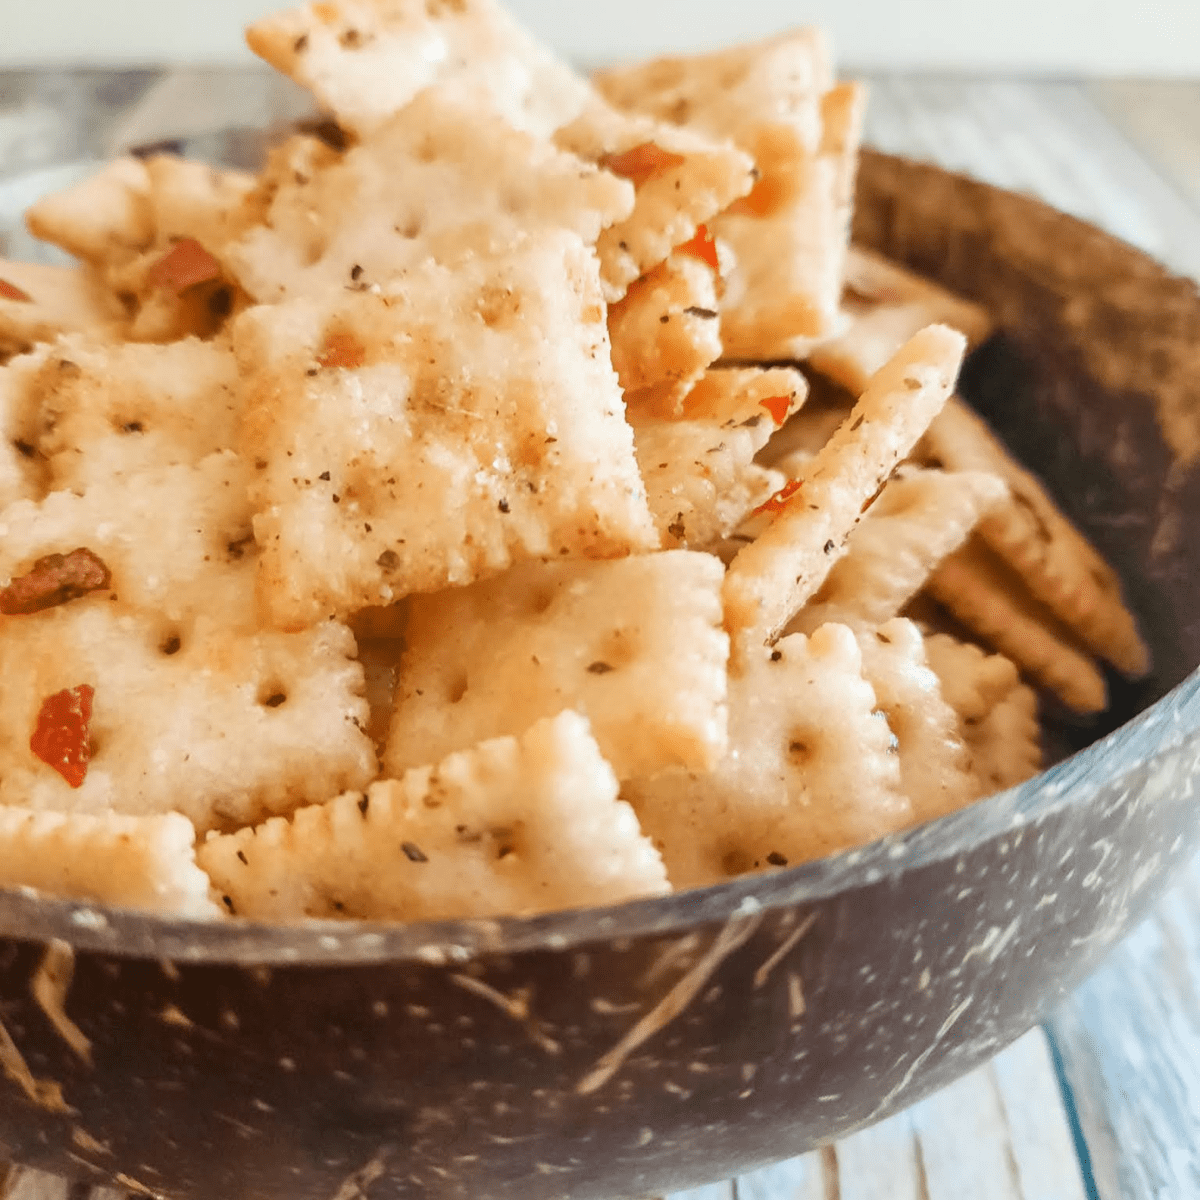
(1131, 37)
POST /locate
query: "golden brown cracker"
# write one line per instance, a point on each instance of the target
(1057, 563)
(973, 680)
(990, 599)
(1005, 745)
(40, 302)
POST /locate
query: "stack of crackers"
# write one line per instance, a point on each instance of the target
(523, 499)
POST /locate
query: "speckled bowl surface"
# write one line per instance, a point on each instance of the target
(627, 1051)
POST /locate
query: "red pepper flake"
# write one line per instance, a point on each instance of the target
(702, 247)
(53, 580)
(778, 407)
(342, 350)
(778, 502)
(641, 162)
(10, 291)
(186, 264)
(60, 738)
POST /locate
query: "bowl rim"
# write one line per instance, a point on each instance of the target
(132, 934)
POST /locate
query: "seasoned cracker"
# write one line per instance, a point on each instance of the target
(919, 519)
(667, 328)
(772, 577)
(40, 302)
(441, 179)
(700, 477)
(886, 304)
(104, 219)
(1057, 563)
(935, 765)
(511, 826)
(22, 473)
(810, 769)
(1006, 745)
(107, 410)
(365, 59)
(177, 540)
(788, 236)
(635, 645)
(194, 199)
(483, 395)
(224, 727)
(146, 863)
(973, 681)
(990, 599)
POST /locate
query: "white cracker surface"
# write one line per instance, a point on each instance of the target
(635, 645)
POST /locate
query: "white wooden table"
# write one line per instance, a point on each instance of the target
(1103, 1101)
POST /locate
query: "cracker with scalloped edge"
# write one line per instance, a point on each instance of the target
(681, 179)
(771, 578)
(989, 598)
(225, 727)
(365, 59)
(811, 769)
(39, 302)
(177, 541)
(921, 516)
(666, 328)
(103, 411)
(701, 480)
(443, 178)
(935, 765)
(775, 99)
(1057, 563)
(103, 219)
(436, 433)
(635, 644)
(146, 863)
(1006, 745)
(973, 680)
(513, 825)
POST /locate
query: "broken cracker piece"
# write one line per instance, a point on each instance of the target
(635, 645)
(919, 519)
(484, 395)
(811, 769)
(773, 576)
(991, 600)
(935, 765)
(701, 480)
(666, 327)
(682, 180)
(1057, 563)
(510, 826)
(145, 863)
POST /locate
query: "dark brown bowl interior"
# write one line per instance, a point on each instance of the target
(627, 1051)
